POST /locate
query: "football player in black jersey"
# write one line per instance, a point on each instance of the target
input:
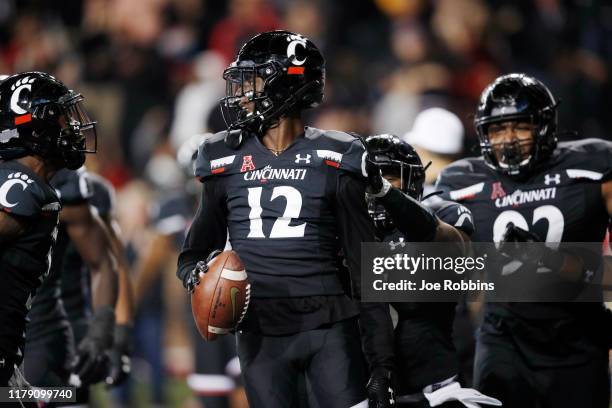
(76, 286)
(44, 128)
(50, 350)
(426, 359)
(290, 196)
(528, 187)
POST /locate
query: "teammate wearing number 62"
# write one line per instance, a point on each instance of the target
(290, 197)
(527, 187)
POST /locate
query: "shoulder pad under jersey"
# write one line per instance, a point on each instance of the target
(103, 195)
(72, 186)
(171, 215)
(214, 157)
(339, 149)
(24, 194)
(464, 178)
(452, 213)
(589, 159)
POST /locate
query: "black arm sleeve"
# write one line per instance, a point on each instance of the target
(415, 221)
(208, 230)
(355, 227)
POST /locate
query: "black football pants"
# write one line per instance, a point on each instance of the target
(501, 371)
(329, 358)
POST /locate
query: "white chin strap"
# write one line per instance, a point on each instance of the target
(469, 397)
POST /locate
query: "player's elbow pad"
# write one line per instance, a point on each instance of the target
(414, 220)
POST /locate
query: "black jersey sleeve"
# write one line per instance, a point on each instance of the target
(587, 159)
(353, 160)
(459, 181)
(453, 214)
(214, 157)
(208, 230)
(103, 195)
(170, 216)
(20, 194)
(355, 227)
(72, 186)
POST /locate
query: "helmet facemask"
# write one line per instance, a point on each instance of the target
(64, 130)
(246, 102)
(518, 156)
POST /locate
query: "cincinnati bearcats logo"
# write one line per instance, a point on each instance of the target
(14, 178)
(498, 191)
(22, 86)
(292, 51)
(247, 164)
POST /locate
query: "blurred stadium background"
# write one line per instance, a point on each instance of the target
(151, 74)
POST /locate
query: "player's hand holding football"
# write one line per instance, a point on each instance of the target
(193, 279)
(380, 389)
(119, 355)
(91, 362)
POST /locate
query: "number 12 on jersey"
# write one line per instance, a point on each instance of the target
(281, 227)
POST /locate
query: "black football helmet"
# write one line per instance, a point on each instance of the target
(40, 116)
(276, 73)
(517, 97)
(397, 158)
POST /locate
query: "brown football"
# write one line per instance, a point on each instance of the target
(220, 301)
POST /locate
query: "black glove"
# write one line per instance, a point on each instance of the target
(512, 245)
(119, 355)
(376, 182)
(380, 389)
(193, 279)
(91, 362)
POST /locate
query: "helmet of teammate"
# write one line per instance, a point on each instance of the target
(275, 73)
(397, 158)
(512, 98)
(40, 116)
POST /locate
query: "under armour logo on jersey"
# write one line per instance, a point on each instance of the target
(247, 164)
(299, 158)
(497, 191)
(588, 276)
(13, 178)
(556, 179)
